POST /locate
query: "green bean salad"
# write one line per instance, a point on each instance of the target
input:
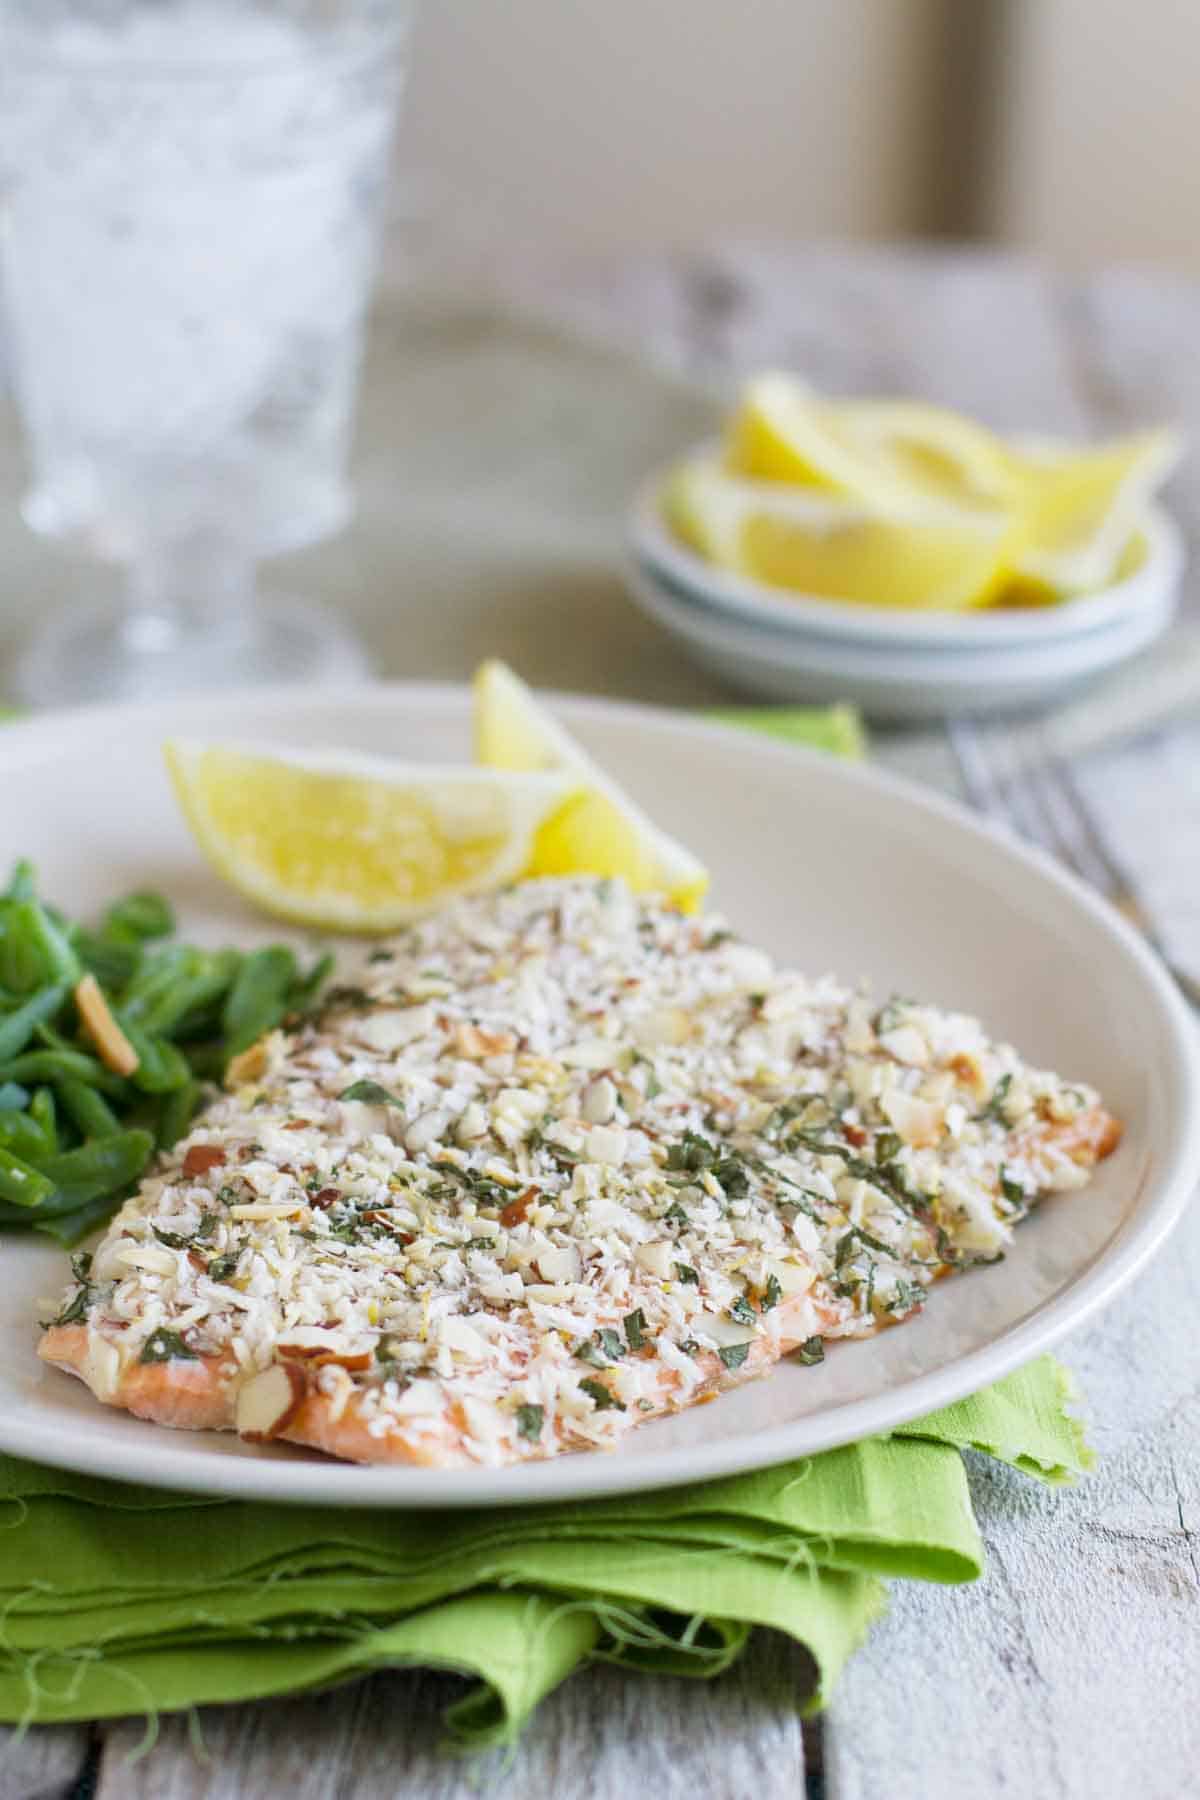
(108, 1035)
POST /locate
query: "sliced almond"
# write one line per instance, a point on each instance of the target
(248, 1065)
(474, 1044)
(269, 1402)
(112, 1046)
(201, 1158)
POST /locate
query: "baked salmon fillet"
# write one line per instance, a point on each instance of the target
(562, 1160)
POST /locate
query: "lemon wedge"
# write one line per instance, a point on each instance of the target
(360, 843)
(599, 830)
(893, 456)
(837, 550)
(1080, 510)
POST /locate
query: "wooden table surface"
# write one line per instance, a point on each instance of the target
(1072, 1670)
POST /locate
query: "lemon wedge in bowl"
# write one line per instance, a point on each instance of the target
(817, 545)
(599, 830)
(893, 456)
(1081, 509)
(361, 843)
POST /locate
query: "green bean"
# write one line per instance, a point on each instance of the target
(207, 1060)
(62, 1065)
(13, 1097)
(93, 1115)
(20, 1183)
(141, 915)
(22, 965)
(175, 1114)
(17, 1029)
(157, 975)
(44, 1113)
(73, 1227)
(304, 991)
(113, 963)
(22, 882)
(58, 958)
(101, 1167)
(195, 993)
(161, 1066)
(258, 998)
(22, 1134)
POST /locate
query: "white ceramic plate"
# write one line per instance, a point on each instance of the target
(894, 682)
(832, 865)
(656, 548)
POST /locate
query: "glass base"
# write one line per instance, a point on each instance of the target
(106, 653)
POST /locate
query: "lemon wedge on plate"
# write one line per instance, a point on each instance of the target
(599, 830)
(832, 549)
(893, 456)
(1080, 510)
(362, 843)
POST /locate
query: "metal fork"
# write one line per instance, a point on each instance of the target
(1011, 774)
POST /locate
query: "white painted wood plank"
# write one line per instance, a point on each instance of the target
(1071, 1670)
(606, 1734)
(43, 1763)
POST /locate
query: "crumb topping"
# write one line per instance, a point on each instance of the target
(549, 1153)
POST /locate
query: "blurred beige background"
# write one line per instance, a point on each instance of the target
(592, 126)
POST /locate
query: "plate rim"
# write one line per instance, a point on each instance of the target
(572, 1478)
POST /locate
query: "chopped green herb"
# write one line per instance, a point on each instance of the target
(1011, 1188)
(772, 1294)
(675, 1215)
(733, 1355)
(888, 1145)
(77, 1308)
(347, 996)
(691, 1153)
(370, 1093)
(732, 1176)
(611, 1343)
(891, 1015)
(635, 1329)
(905, 1296)
(995, 1107)
(717, 938)
(684, 1272)
(166, 1346)
(604, 1399)
(530, 1420)
(222, 1267)
(742, 1311)
(174, 1240)
(847, 1248)
(207, 1227)
(587, 1350)
(811, 1351)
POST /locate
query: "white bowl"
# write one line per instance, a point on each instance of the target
(905, 682)
(656, 549)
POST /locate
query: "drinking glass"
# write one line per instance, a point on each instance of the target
(191, 194)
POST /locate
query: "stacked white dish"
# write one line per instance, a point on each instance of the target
(897, 664)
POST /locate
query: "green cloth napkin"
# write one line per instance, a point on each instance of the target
(124, 1600)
